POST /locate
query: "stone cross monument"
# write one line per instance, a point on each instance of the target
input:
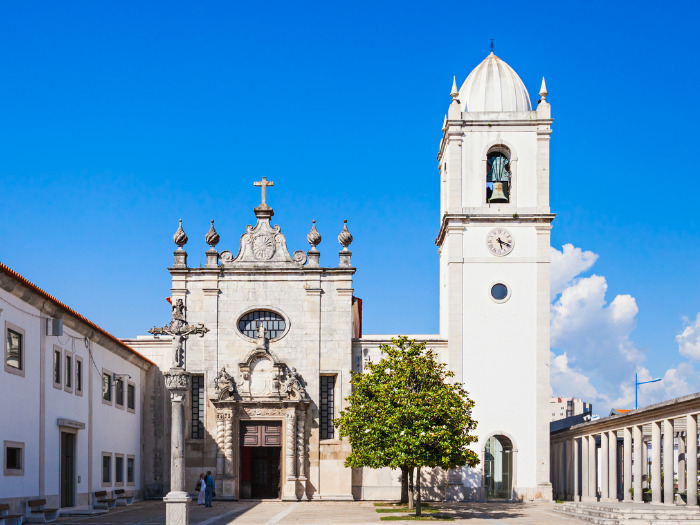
(177, 381)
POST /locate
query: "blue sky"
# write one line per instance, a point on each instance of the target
(117, 119)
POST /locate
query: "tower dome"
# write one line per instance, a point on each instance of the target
(494, 86)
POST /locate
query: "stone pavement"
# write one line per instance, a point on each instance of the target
(318, 513)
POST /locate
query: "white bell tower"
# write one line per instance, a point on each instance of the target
(494, 277)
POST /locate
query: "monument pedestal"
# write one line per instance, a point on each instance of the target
(176, 508)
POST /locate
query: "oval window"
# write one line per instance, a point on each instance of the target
(273, 322)
(499, 292)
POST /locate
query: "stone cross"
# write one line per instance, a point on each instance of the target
(180, 330)
(264, 183)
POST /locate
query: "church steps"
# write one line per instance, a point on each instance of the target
(630, 514)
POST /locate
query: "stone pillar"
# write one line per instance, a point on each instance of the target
(177, 380)
(612, 465)
(656, 462)
(691, 452)
(645, 462)
(592, 469)
(575, 469)
(627, 464)
(668, 462)
(289, 492)
(301, 444)
(681, 462)
(639, 466)
(604, 471)
(219, 444)
(228, 444)
(584, 468)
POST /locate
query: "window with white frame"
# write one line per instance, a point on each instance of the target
(13, 458)
(106, 469)
(327, 407)
(79, 375)
(68, 371)
(14, 349)
(119, 469)
(57, 360)
(106, 387)
(119, 392)
(131, 397)
(130, 470)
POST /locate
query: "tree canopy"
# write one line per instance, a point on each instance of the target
(404, 413)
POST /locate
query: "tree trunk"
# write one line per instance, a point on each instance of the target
(418, 491)
(404, 484)
(411, 505)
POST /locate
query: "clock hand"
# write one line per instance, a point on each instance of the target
(499, 241)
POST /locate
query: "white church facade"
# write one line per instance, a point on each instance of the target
(273, 370)
(275, 337)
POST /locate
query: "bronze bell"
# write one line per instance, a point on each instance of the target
(498, 195)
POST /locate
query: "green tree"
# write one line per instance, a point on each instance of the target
(403, 413)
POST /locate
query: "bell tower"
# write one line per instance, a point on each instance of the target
(494, 277)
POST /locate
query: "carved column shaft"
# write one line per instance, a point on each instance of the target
(301, 443)
(290, 439)
(228, 444)
(177, 381)
(219, 444)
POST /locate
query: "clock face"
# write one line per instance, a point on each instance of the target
(500, 242)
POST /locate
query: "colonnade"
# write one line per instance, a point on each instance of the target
(611, 459)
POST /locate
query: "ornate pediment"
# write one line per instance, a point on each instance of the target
(263, 245)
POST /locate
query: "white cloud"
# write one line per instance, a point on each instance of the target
(689, 339)
(593, 355)
(567, 264)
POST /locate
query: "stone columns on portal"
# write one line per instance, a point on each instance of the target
(219, 444)
(301, 444)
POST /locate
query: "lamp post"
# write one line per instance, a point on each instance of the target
(636, 387)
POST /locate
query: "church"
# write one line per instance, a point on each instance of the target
(279, 335)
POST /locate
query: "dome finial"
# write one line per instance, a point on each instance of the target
(455, 92)
(543, 92)
(492, 46)
(212, 238)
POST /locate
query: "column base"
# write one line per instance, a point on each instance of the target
(176, 508)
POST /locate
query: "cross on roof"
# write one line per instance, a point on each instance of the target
(264, 183)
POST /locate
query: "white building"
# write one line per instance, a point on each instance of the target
(493, 243)
(563, 407)
(71, 403)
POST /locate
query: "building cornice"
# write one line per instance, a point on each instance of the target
(450, 220)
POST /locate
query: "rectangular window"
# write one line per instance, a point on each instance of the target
(79, 375)
(106, 387)
(327, 412)
(130, 474)
(131, 396)
(106, 468)
(119, 387)
(119, 469)
(14, 349)
(57, 367)
(69, 372)
(14, 458)
(197, 407)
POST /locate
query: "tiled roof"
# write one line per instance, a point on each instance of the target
(9, 271)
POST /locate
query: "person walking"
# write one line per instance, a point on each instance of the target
(202, 487)
(210, 486)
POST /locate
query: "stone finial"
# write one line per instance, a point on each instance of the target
(455, 92)
(345, 237)
(212, 238)
(313, 238)
(543, 92)
(444, 123)
(180, 237)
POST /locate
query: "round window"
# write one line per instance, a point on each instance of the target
(499, 292)
(273, 322)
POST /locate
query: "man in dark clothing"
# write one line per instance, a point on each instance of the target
(209, 492)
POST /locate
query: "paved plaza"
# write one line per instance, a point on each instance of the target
(315, 513)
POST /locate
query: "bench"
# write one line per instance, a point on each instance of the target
(38, 513)
(9, 519)
(101, 501)
(123, 498)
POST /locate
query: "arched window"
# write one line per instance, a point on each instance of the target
(498, 177)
